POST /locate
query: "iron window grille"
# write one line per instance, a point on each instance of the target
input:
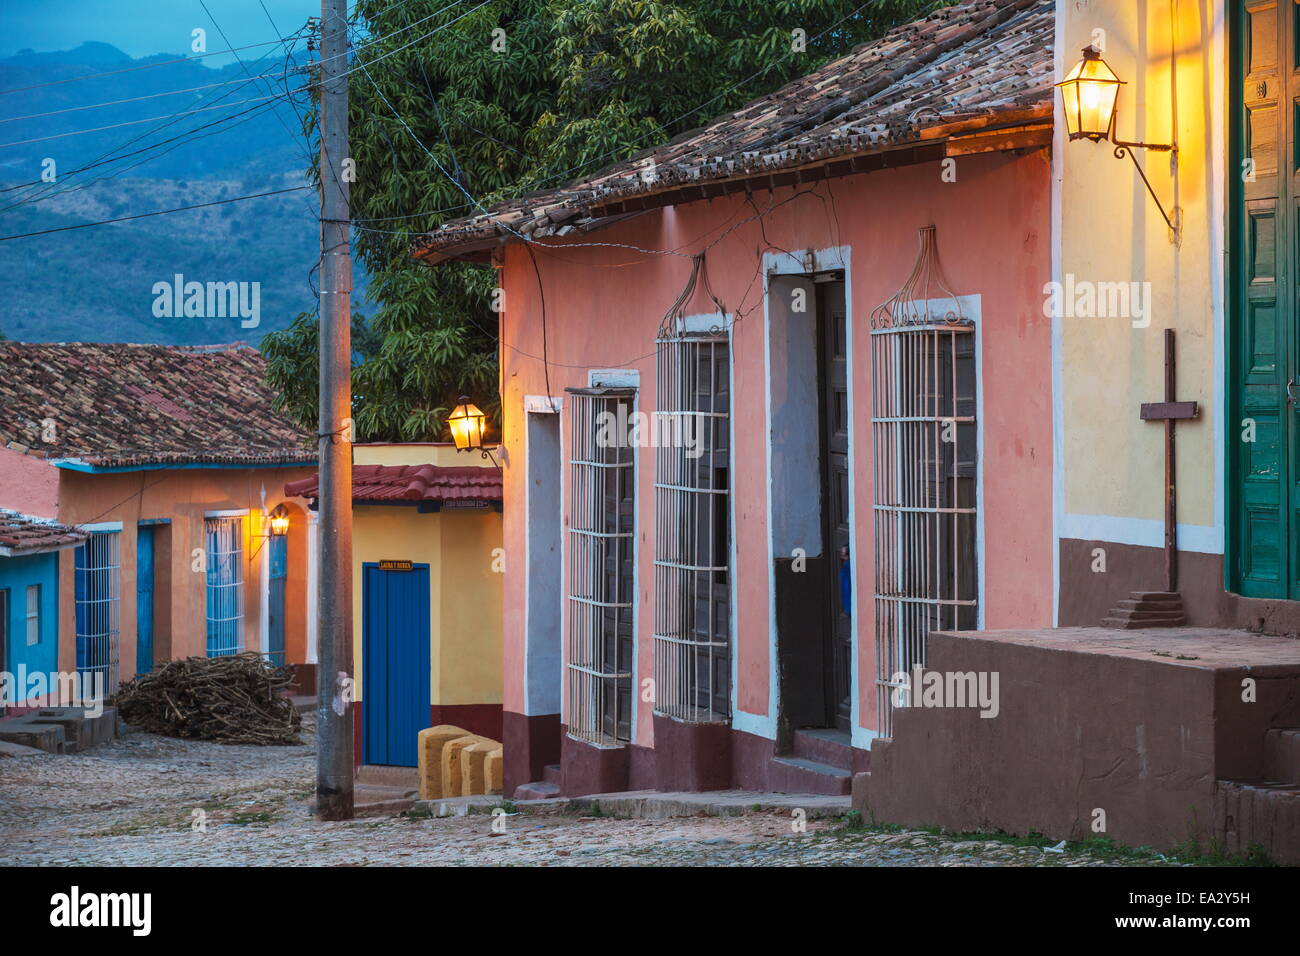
(600, 558)
(924, 441)
(224, 541)
(692, 643)
(98, 585)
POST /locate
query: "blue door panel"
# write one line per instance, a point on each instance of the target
(395, 663)
(279, 558)
(144, 577)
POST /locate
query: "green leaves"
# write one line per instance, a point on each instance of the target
(577, 85)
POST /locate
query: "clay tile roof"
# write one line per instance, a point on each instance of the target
(114, 405)
(22, 534)
(414, 483)
(977, 65)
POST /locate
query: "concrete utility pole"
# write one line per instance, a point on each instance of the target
(334, 627)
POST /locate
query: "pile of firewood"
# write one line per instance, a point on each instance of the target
(231, 700)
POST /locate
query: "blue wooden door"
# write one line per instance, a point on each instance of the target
(279, 558)
(395, 663)
(144, 575)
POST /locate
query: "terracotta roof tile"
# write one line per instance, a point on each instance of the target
(969, 65)
(110, 405)
(23, 534)
(412, 483)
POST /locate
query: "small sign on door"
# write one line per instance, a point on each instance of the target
(394, 565)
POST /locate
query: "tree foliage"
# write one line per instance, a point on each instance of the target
(448, 117)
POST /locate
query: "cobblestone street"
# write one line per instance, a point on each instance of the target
(138, 800)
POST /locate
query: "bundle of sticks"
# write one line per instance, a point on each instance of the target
(238, 699)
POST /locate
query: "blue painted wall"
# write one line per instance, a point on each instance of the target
(16, 574)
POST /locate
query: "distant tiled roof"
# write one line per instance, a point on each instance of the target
(412, 483)
(964, 71)
(22, 534)
(114, 405)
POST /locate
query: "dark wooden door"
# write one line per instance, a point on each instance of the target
(1262, 335)
(835, 495)
(617, 634)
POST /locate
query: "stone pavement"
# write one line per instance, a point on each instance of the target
(149, 800)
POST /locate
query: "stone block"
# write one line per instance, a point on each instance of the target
(430, 744)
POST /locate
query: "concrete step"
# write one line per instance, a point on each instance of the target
(663, 805)
(1161, 607)
(60, 729)
(1282, 755)
(1248, 815)
(302, 704)
(379, 775)
(799, 775)
(1155, 595)
(540, 790)
(828, 746)
(372, 800)
(551, 773)
(1137, 624)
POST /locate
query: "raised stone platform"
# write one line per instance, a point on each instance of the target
(1158, 737)
(60, 730)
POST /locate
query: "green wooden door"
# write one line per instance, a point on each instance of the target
(1261, 556)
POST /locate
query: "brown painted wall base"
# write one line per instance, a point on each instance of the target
(530, 744)
(1087, 595)
(1143, 725)
(691, 757)
(304, 680)
(586, 768)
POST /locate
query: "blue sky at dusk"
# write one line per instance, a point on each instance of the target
(144, 27)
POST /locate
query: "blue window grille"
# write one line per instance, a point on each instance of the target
(224, 539)
(98, 570)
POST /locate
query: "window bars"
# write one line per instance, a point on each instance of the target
(692, 647)
(923, 431)
(601, 552)
(924, 447)
(224, 539)
(98, 585)
(33, 614)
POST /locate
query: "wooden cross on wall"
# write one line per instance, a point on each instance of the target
(1170, 411)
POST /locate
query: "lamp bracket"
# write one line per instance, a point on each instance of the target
(1174, 222)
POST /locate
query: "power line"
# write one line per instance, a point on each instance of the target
(134, 99)
(100, 129)
(160, 212)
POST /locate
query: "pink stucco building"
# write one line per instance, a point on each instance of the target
(776, 404)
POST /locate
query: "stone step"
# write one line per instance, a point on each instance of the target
(1124, 614)
(1282, 755)
(799, 775)
(380, 775)
(373, 800)
(551, 773)
(61, 729)
(1155, 595)
(1166, 607)
(1264, 815)
(1126, 624)
(831, 747)
(539, 790)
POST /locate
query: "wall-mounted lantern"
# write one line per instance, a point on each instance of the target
(280, 521)
(468, 425)
(1089, 94)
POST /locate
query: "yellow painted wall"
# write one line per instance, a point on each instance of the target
(1111, 231)
(465, 592)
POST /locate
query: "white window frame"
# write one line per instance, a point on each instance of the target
(33, 615)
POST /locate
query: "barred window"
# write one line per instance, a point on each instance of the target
(98, 586)
(692, 643)
(600, 555)
(33, 614)
(924, 441)
(224, 539)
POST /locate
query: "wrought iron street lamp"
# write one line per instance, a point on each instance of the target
(1089, 94)
(280, 521)
(467, 426)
